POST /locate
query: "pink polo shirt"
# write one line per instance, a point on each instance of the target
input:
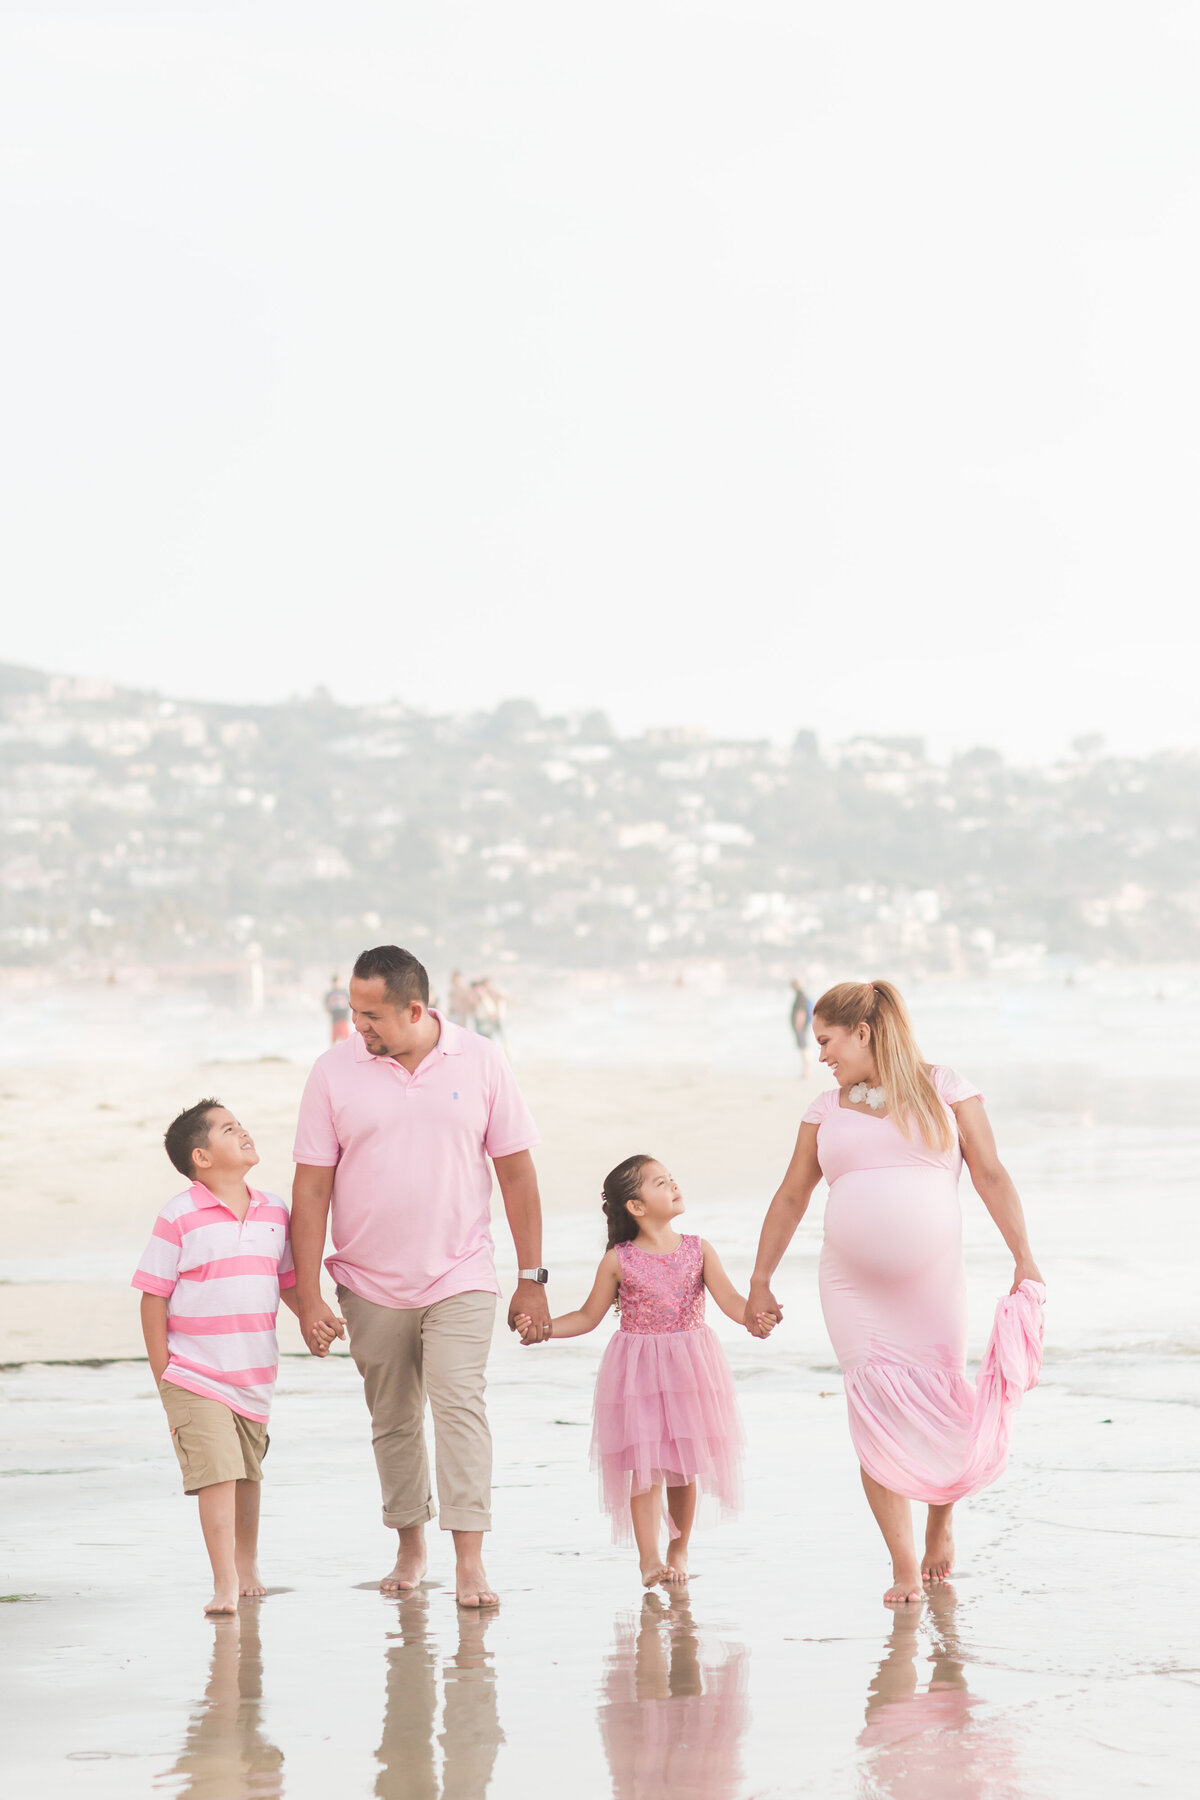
(410, 1218)
(220, 1276)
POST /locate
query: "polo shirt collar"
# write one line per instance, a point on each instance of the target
(204, 1198)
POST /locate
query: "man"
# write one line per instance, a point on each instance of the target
(395, 1132)
(337, 1005)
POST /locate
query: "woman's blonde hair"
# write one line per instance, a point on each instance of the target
(903, 1073)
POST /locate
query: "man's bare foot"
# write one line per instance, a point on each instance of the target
(223, 1602)
(407, 1573)
(938, 1560)
(906, 1586)
(677, 1564)
(250, 1583)
(471, 1584)
(654, 1571)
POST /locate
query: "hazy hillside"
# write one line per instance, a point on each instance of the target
(138, 827)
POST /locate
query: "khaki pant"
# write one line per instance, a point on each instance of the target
(403, 1355)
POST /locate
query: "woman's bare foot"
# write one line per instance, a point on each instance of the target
(677, 1564)
(471, 1583)
(654, 1571)
(223, 1602)
(906, 1586)
(408, 1571)
(250, 1583)
(938, 1561)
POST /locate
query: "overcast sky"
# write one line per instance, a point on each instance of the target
(746, 363)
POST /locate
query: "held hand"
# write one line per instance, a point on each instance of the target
(761, 1307)
(529, 1302)
(526, 1329)
(1025, 1271)
(319, 1325)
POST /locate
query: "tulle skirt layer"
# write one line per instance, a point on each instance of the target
(925, 1431)
(665, 1413)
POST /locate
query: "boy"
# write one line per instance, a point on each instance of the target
(211, 1280)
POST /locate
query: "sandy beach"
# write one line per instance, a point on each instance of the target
(1063, 1661)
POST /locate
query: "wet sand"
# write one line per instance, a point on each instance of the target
(1063, 1661)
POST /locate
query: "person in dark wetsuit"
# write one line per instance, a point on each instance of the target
(801, 1019)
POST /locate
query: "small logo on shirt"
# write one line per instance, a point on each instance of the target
(454, 1095)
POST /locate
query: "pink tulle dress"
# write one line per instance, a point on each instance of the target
(893, 1292)
(665, 1406)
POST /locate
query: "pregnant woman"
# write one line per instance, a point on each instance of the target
(890, 1140)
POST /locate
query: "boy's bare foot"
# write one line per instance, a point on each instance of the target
(223, 1602)
(677, 1564)
(408, 1571)
(938, 1561)
(906, 1585)
(471, 1583)
(250, 1583)
(654, 1571)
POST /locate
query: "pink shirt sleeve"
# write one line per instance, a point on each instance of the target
(954, 1087)
(316, 1135)
(158, 1268)
(821, 1105)
(510, 1125)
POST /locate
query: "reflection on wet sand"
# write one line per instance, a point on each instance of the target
(225, 1755)
(671, 1724)
(470, 1735)
(922, 1742)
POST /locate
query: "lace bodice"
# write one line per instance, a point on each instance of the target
(662, 1293)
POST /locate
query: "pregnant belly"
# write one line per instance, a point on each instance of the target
(891, 1224)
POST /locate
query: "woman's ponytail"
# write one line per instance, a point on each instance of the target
(903, 1074)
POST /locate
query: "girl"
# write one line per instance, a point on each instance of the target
(665, 1409)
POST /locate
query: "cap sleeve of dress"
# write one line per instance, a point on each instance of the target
(954, 1087)
(821, 1105)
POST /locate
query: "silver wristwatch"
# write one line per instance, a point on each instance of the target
(541, 1276)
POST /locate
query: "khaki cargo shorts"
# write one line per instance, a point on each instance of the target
(212, 1442)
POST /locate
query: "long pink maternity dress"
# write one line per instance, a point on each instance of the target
(893, 1292)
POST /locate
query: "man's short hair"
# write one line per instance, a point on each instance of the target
(187, 1133)
(403, 977)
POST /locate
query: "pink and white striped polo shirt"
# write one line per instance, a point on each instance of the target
(222, 1277)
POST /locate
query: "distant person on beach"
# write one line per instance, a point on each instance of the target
(337, 1005)
(801, 1019)
(489, 1006)
(393, 1143)
(665, 1414)
(211, 1280)
(890, 1140)
(460, 1008)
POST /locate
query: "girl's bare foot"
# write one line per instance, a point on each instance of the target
(677, 1564)
(906, 1586)
(250, 1583)
(938, 1561)
(654, 1571)
(224, 1601)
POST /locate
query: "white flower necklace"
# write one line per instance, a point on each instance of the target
(872, 1096)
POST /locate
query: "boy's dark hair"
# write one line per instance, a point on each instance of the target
(187, 1133)
(621, 1185)
(404, 978)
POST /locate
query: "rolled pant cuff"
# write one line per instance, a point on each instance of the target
(461, 1518)
(402, 1521)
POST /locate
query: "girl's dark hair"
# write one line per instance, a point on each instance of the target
(621, 1185)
